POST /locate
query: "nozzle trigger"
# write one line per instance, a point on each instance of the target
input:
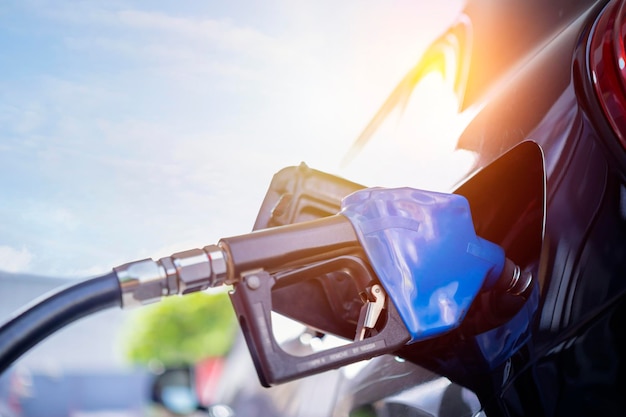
(374, 299)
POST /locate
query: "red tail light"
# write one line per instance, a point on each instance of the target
(607, 62)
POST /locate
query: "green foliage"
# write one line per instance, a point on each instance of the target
(181, 330)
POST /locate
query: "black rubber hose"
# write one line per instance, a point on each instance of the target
(42, 318)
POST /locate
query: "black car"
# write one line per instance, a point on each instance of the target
(541, 94)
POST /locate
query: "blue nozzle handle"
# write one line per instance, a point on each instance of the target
(424, 249)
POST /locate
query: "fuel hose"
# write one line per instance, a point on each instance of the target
(45, 316)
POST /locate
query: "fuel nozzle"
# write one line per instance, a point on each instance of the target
(412, 255)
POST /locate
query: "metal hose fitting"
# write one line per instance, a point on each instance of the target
(147, 281)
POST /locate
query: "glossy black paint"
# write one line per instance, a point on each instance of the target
(508, 32)
(573, 364)
(529, 75)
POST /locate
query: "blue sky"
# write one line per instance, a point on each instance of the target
(133, 129)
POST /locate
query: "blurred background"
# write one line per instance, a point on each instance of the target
(133, 129)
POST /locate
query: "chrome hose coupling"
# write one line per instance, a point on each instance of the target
(147, 281)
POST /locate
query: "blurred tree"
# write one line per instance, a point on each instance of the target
(181, 330)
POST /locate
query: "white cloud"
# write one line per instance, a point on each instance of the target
(64, 218)
(48, 215)
(155, 33)
(15, 260)
(222, 33)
